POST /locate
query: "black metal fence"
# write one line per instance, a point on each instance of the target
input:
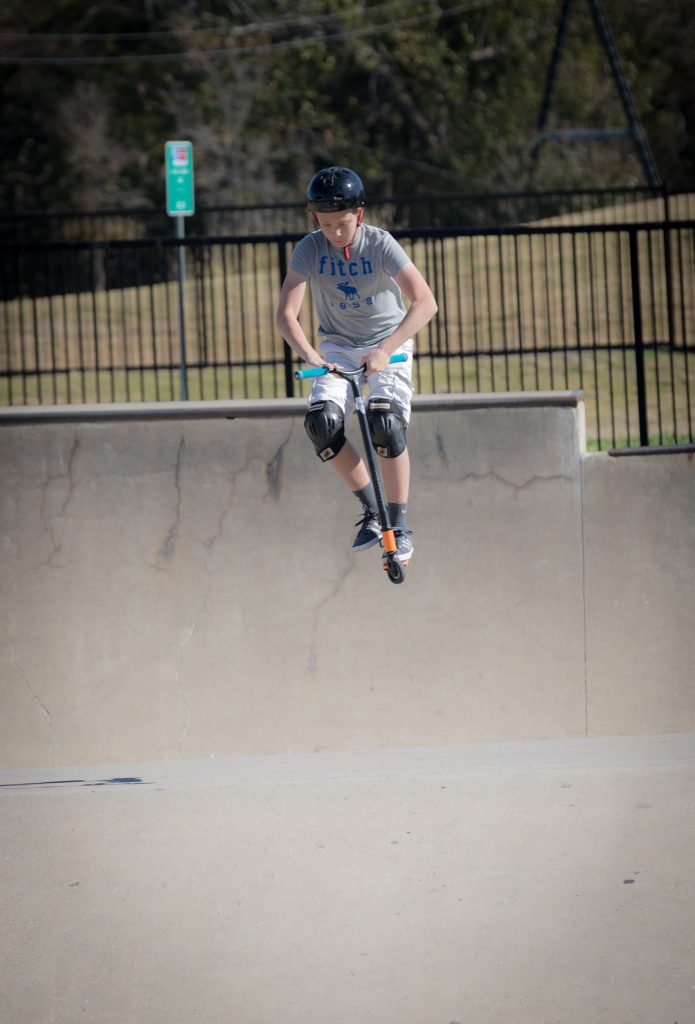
(606, 308)
(452, 211)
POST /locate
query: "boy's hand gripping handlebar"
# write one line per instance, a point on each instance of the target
(319, 371)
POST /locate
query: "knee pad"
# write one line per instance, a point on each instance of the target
(325, 425)
(387, 427)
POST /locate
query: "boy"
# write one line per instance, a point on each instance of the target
(358, 275)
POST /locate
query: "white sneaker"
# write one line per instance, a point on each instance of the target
(404, 546)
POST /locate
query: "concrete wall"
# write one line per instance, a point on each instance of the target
(639, 554)
(185, 587)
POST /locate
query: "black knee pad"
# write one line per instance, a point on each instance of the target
(387, 427)
(325, 425)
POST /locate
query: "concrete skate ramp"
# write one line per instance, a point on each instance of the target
(184, 587)
(532, 882)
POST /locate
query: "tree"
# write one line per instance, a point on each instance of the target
(421, 95)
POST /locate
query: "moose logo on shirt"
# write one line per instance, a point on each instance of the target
(348, 290)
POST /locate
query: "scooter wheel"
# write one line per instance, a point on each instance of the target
(395, 571)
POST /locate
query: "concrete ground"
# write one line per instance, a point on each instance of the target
(534, 883)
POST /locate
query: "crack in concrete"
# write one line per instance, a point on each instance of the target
(274, 469)
(36, 700)
(312, 660)
(168, 548)
(273, 473)
(50, 518)
(441, 448)
(227, 506)
(494, 475)
(209, 542)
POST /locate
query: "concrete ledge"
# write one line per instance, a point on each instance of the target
(262, 408)
(668, 449)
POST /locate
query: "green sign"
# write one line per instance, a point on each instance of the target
(178, 164)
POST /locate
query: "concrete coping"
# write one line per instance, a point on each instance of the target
(666, 449)
(262, 408)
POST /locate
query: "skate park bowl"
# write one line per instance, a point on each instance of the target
(245, 778)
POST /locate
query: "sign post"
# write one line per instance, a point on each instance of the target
(180, 195)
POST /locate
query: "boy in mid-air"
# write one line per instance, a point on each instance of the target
(359, 275)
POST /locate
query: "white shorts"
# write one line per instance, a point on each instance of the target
(394, 383)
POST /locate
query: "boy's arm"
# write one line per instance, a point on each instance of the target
(423, 306)
(287, 318)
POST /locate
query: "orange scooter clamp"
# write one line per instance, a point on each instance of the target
(388, 539)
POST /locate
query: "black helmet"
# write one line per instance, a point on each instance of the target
(335, 188)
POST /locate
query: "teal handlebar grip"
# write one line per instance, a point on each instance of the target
(314, 371)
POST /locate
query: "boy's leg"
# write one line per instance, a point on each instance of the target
(396, 476)
(391, 415)
(332, 403)
(395, 473)
(350, 467)
(349, 464)
(395, 387)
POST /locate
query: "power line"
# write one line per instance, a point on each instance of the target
(229, 30)
(259, 48)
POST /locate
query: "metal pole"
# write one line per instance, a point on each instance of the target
(180, 233)
(550, 84)
(639, 341)
(286, 350)
(606, 35)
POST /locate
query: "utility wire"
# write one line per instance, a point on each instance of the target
(229, 30)
(246, 51)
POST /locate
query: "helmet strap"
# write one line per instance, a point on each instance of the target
(359, 221)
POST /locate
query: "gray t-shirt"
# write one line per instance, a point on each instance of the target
(357, 301)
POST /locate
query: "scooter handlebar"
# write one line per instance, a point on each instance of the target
(320, 371)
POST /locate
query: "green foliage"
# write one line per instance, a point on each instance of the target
(419, 95)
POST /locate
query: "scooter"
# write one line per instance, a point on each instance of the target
(393, 566)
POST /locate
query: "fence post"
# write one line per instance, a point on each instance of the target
(639, 339)
(286, 351)
(668, 271)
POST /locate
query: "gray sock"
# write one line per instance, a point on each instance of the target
(367, 497)
(398, 515)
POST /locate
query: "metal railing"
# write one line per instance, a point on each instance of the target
(406, 212)
(608, 309)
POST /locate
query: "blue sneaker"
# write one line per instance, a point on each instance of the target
(369, 532)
